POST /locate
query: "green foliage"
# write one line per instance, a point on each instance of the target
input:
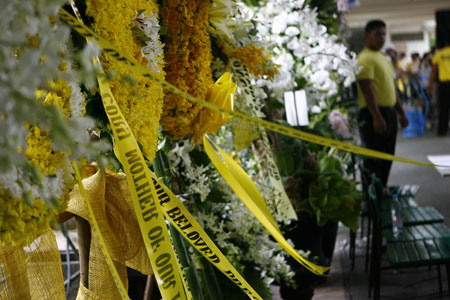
(290, 159)
(274, 104)
(286, 162)
(316, 182)
(331, 196)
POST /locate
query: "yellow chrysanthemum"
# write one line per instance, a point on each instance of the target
(188, 59)
(59, 95)
(257, 62)
(39, 152)
(141, 102)
(20, 222)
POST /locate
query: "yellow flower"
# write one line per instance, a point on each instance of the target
(39, 146)
(218, 19)
(221, 94)
(188, 59)
(140, 102)
(258, 63)
(20, 222)
(58, 95)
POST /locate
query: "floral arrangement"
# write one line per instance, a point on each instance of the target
(190, 43)
(133, 27)
(42, 121)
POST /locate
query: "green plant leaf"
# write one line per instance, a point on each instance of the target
(286, 163)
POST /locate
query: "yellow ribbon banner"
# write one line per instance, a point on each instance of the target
(243, 186)
(186, 224)
(145, 201)
(166, 268)
(138, 176)
(107, 47)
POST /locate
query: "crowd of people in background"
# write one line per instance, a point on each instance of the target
(412, 80)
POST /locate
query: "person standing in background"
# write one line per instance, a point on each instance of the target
(441, 63)
(402, 60)
(377, 100)
(413, 66)
(425, 70)
(393, 57)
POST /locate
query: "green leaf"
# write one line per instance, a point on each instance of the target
(286, 163)
(275, 104)
(199, 157)
(216, 195)
(210, 280)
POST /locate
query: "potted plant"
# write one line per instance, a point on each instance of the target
(322, 195)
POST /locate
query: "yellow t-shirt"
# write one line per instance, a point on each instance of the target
(442, 60)
(378, 68)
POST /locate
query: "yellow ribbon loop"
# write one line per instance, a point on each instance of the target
(221, 93)
(243, 186)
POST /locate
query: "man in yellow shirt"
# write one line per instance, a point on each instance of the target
(441, 64)
(377, 100)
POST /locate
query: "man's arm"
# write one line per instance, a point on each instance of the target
(366, 85)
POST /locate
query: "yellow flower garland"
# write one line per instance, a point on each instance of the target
(141, 102)
(188, 59)
(21, 222)
(258, 63)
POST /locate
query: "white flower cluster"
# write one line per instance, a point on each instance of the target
(153, 49)
(76, 98)
(266, 253)
(50, 186)
(198, 179)
(304, 49)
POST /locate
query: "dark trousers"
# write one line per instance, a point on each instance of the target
(384, 142)
(444, 106)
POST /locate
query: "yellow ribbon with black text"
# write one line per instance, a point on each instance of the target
(169, 277)
(145, 201)
(129, 154)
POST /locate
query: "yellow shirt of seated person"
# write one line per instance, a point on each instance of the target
(377, 67)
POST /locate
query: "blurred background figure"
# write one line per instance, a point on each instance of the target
(441, 64)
